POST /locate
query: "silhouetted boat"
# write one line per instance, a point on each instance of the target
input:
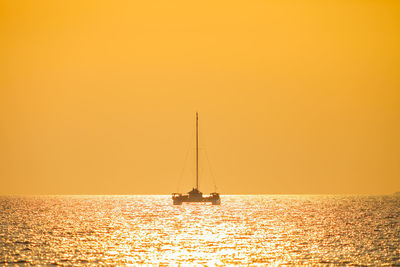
(195, 195)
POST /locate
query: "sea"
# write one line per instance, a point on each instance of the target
(251, 230)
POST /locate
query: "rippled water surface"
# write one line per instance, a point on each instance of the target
(259, 230)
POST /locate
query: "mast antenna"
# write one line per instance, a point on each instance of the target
(197, 151)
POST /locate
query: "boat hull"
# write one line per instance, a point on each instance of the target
(178, 199)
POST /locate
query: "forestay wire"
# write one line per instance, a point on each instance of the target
(183, 169)
(211, 172)
(209, 163)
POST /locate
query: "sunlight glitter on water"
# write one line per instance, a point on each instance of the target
(275, 230)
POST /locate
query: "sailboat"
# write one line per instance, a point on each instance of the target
(195, 195)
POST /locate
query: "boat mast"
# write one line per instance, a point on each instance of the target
(197, 150)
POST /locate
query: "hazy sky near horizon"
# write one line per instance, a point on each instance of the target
(99, 97)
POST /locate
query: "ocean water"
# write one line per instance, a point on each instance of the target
(245, 230)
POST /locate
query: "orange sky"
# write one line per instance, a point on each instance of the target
(99, 97)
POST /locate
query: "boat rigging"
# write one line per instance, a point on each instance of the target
(195, 195)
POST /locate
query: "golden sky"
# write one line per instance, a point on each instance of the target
(99, 97)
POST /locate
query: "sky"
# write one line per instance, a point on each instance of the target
(294, 97)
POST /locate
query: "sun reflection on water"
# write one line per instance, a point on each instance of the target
(274, 230)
